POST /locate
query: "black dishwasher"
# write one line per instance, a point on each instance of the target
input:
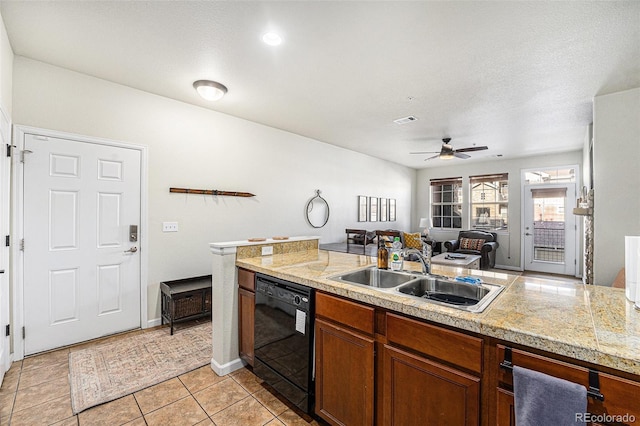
(283, 338)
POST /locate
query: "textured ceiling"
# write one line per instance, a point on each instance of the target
(518, 77)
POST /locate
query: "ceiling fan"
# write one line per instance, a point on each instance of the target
(447, 152)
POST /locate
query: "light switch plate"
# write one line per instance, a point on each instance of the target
(169, 226)
(267, 250)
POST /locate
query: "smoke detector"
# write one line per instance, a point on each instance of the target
(405, 120)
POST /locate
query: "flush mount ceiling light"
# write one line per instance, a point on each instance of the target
(272, 39)
(210, 90)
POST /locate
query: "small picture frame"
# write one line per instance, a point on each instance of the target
(373, 209)
(392, 209)
(384, 209)
(362, 208)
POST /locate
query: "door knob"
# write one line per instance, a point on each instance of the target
(132, 250)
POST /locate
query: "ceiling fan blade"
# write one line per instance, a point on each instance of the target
(425, 152)
(458, 155)
(431, 158)
(474, 148)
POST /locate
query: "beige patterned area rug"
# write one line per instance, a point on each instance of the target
(109, 371)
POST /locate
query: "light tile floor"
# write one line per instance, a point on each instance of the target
(36, 391)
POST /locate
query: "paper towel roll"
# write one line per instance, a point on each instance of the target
(631, 266)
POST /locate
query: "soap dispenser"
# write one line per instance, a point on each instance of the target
(396, 255)
(383, 255)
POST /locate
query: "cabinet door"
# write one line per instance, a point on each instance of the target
(246, 309)
(506, 409)
(418, 391)
(344, 375)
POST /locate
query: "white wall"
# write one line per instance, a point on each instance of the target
(194, 147)
(6, 70)
(616, 131)
(508, 254)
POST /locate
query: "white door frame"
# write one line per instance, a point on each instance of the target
(576, 270)
(5, 166)
(18, 224)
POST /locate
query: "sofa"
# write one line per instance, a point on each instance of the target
(363, 238)
(481, 243)
(408, 240)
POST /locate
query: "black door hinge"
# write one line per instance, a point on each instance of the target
(23, 333)
(9, 150)
(7, 330)
(7, 240)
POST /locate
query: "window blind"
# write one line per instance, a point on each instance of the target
(549, 192)
(488, 178)
(446, 181)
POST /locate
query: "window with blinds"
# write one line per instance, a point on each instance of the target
(446, 203)
(489, 202)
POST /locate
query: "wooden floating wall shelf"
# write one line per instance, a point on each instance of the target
(211, 192)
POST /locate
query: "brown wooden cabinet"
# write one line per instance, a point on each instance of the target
(418, 387)
(420, 391)
(621, 395)
(425, 373)
(506, 415)
(246, 310)
(344, 361)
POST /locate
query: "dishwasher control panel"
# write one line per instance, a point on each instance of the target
(284, 292)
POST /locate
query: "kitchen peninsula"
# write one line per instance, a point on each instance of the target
(537, 323)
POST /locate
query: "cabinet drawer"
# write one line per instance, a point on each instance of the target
(247, 279)
(450, 346)
(620, 394)
(345, 312)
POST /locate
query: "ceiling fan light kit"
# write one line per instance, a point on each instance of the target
(446, 156)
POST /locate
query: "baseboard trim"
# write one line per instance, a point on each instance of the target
(153, 323)
(508, 268)
(229, 367)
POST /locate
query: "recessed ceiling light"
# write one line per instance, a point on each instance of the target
(272, 39)
(210, 90)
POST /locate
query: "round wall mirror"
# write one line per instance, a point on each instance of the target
(317, 211)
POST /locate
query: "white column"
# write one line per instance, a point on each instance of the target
(224, 315)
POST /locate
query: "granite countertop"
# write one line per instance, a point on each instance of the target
(590, 323)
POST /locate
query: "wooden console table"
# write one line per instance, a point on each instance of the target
(185, 299)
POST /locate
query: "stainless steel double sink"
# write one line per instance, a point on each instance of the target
(432, 288)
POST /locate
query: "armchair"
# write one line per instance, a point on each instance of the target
(480, 243)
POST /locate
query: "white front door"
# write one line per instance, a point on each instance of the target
(550, 228)
(81, 276)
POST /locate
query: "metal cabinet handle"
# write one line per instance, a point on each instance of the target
(132, 250)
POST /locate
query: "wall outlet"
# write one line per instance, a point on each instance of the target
(169, 226)
(267, 250)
